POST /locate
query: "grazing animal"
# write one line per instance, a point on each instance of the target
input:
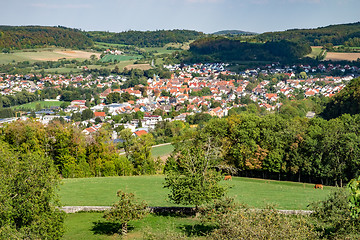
(228, 177)
(319, 186)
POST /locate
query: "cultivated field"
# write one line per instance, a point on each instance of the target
(256, 193)
(46, 54)
(337, 56)
(139, 66)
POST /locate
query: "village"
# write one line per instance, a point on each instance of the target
(197, 88)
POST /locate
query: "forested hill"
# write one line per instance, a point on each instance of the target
(233, 32)
(146, 39)
(335, 34)
(38, 36)
(224, 49)
(346, 101)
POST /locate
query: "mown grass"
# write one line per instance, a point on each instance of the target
(44, 104)
(256, 193)
(112, 58)
(90, 226)
(162, 150)
(315, 51)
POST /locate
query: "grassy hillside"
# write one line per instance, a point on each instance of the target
(257, 193)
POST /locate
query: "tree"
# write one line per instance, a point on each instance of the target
(191, 175)
(354, 198)
(28, 209)
(87, 114)
(125, 210)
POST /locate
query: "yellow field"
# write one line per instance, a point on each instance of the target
(48, 54)
(335, 56)
(139, 66)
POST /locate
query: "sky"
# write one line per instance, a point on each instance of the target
(207, 16)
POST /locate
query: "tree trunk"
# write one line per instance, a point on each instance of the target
(124, 229)
(299, 179)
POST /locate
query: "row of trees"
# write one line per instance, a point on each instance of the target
(77, 155)
(300, 149)
(146, 39)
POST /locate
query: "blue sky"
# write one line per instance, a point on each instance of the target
(202, 15)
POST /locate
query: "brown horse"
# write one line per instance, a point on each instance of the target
(228, 177)
(319, 186)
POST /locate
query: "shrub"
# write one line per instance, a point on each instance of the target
(333, 217)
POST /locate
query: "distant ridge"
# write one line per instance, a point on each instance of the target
(233, 32)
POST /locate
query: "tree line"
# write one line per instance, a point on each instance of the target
(157, 38)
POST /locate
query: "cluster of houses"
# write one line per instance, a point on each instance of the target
(191, 89)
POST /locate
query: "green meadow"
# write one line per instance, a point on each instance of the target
(256, 193)
(44, 104)
(162, 150)
(119, 58)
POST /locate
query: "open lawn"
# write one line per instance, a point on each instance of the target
(90, 226)
(256, 193)
(315, 51)
(119, 58)
(162, 150)
(44, 104)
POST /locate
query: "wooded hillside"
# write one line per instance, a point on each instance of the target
(224, 49)
(38, 36)
(146, 39)
(335, 34)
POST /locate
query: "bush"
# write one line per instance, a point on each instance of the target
(234, 221)
(262, 224)
(333, 217)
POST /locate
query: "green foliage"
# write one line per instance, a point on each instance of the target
(354, 198)
(125, 210)
(224, 49)
(28, 208)
(191, 175)
(146, 39)
(334, 218)
(138, 151)
(37, 36)
(346, 101)
(335, 34)
(261, 224)
(87, 114)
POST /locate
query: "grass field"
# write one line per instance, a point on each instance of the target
(44, 104)
(162, 150)
(315, 51)
(256, 193)
(91, 226)
(119, 58)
